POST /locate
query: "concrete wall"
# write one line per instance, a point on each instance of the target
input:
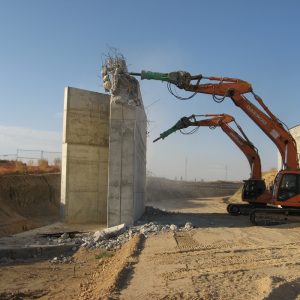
(295, 131)
(103, 159)
(85, 156)
(127, 163)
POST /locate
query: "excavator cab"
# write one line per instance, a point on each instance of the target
(252, 189)
(287, 187)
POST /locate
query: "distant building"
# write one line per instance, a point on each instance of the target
(295, 131)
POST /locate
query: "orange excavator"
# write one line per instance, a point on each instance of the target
(286, 188)
(254, 189)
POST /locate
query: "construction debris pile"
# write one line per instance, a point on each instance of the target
(113, 238)
(109, 239)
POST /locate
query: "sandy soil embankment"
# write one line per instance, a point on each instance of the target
(28, 201)
(160, 189)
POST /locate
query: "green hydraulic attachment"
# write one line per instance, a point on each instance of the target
(179, 78)
(182, 123)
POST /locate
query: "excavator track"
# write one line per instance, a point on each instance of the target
(242, 209)
(274, 216)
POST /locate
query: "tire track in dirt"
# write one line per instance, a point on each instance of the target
(247, 257)
(228, 261)
(185, 242)
(229, 268)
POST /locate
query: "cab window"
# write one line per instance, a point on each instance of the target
(289, 186)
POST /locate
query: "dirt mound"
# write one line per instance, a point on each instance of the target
(28, 201)
(113, 273)
(18, 167)
(268, 176)
(159, 189)
(236, 197)
(11, 222)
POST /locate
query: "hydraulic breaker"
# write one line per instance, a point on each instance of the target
(182, 123)
(179, 78)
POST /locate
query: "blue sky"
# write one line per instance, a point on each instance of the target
(47, 45)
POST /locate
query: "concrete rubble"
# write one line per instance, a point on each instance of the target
(62, 259)
(109, 239)
(124, 88)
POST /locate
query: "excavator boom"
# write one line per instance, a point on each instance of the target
(222, 120)
(236, 90)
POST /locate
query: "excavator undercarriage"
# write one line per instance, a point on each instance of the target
(274, 216)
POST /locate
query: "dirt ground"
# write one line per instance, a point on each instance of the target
(90, 274)
(223, 257)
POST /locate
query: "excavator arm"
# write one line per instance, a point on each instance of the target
(222, 120)
(271, 126)
(236, 90)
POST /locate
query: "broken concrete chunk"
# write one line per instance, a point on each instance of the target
(4, 260)
(99, 236)
(109, 232)
(54, 260)
(124, 88)
(64, 236)
(115, 230)
(188, 225)
(62, 259)
(173, 227)
(107, 85)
